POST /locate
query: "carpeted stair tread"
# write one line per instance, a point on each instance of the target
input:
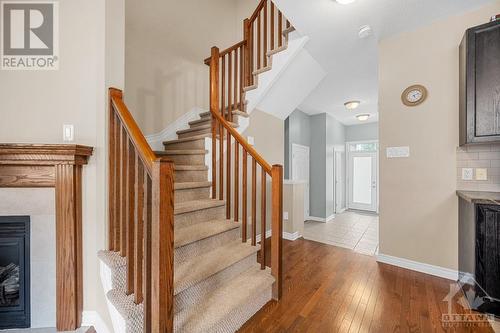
(191, 138)
(195, 129)
(190, 185)
(191, 234)
(234, 112)
(208, 121)
(192, 206)
(181, 152)
(112, 259)
(199, 268)
(190, 167)
(225, 302)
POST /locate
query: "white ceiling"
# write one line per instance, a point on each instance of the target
(352, 63)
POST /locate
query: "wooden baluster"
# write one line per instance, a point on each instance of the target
(124, 210)
(236, 180)
(244, 198)
(221, 162)
(118, 189)
(265, 35)
(277, 230)
(235, 86)
(228, 176)
(272, 26)
(248, 52)
(214, 108)
(162, 254)
(258, 41)
(223, 87)
(230, 86)
(280, 29)
(147, 254)
(139, 231)
(242, 78)
(111, 179)
(254, 201)
(131, 190)
(263, 219)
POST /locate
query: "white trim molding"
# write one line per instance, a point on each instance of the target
(321, 219)
(92, 318)
(291, 236)
(170, 132)
(443, 272)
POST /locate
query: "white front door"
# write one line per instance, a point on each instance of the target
(300, 171)
(362, 168)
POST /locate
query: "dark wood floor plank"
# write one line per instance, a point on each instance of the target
(330, 289)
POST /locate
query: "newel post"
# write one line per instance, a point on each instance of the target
(214, 108)
(277, 230)
(162, 247)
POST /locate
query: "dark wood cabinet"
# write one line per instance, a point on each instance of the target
(480, 84)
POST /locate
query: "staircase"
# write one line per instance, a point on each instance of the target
(183, 252)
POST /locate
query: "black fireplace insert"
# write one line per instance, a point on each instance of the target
(14, 272)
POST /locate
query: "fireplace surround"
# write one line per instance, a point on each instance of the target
(14, 272)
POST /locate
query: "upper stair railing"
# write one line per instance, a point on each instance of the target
(141, 215)
(231, 71)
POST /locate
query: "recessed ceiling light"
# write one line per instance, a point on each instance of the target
(363, 117)
(365, 31)
(345, 2)
(351, 105)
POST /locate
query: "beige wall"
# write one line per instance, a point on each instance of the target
(166, 43)
(418, 205)
(35, 104)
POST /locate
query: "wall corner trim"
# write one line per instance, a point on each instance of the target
(438, 271)
(92, 318)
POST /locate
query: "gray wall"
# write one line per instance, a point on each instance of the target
(363, 132)
(318, 166)
(298, 131)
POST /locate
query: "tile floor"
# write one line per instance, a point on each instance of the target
(357, 231)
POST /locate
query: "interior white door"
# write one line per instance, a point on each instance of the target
(339, 181)
(300, 171)
(363, 181)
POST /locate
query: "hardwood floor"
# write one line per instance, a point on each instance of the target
(331, 289)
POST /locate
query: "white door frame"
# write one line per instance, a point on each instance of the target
(338, 150)
(307, 204)
(348, 173)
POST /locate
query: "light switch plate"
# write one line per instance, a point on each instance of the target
(481, 174)
(285, 215)
(467, 174)
(68, 133)
(251, 140)
(398, 152)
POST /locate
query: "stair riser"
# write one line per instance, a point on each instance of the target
(206, 121)
(191, 194)
(197, 292)
(184, 176)
(205, 245)
(203, 215)
(206, 131)
(195, 144)
(198, 159)
(235, 119)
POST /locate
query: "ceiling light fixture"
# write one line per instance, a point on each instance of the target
(345, 2)
(363, 117)
(351, 105)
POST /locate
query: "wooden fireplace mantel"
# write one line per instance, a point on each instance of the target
(59, 166)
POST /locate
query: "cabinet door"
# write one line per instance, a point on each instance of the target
(487, 63)
(488, 249)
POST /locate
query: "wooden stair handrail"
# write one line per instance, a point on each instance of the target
(255, 14)
(244, 143)
(147, 155)
(226, 51)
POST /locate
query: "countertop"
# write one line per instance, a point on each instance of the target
(476, 197)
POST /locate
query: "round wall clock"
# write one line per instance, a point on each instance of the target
(414, 95)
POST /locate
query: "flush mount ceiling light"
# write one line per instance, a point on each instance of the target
(345, 2)
(351, 105)
(363, 117)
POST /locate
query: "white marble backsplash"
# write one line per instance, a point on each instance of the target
(485, 156)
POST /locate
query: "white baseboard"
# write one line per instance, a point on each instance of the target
(291, 236)
(446, 273)
(268, 234)
(321, 219)
(92, 318)
(170, 132)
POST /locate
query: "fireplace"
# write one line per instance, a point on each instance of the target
(14, 272)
